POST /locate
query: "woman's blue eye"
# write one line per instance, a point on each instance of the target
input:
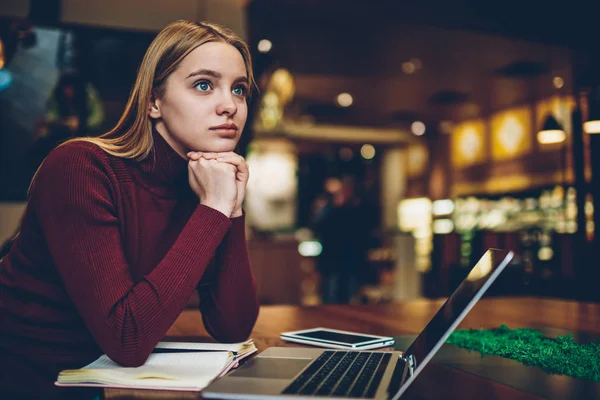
(204, 86)
(239, 91)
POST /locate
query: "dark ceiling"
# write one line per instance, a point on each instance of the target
(474, 58)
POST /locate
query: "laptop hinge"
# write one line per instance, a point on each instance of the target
(412, 364)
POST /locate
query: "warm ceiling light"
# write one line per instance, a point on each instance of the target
(551, 132)
(408, 67)
(344, 99)
(558, 82)
(418, 128)
(282, 83)
(264, 46)
(442, 207)
(367, 151)
(2, 55)
(551, 137)
(592, 125)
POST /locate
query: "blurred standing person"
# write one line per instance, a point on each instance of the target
(340, 224)
(75, 103)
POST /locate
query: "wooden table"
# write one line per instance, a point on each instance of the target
(436, 381)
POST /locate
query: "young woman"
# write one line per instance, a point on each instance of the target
(120, 230)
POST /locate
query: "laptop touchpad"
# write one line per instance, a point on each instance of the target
(271, 368)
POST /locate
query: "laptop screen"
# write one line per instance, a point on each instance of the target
(456, 308)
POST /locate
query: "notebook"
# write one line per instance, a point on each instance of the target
(171, 366)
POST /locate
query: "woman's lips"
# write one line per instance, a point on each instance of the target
(225, 130)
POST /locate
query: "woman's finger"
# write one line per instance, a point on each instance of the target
(213, 156)
(194, 155)
(236, 160)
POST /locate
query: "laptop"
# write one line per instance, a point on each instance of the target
(301, 372)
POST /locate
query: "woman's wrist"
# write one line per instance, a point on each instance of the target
(219, 207)
(237, 213)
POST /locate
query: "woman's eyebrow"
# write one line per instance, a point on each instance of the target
(208, 72)
(241, 79)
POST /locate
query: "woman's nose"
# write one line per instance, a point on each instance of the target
(227, 105)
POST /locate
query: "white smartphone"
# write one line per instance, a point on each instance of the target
(333, 338)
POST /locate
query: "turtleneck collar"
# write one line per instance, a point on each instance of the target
(163, 166)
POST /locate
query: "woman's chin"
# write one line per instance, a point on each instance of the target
(217, 148)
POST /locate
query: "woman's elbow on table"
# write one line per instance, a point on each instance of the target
(129, 357)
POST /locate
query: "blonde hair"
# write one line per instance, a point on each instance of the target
(132, 136)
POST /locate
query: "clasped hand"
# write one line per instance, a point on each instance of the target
(219, 180)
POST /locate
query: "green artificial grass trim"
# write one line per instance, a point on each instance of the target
(529, 346)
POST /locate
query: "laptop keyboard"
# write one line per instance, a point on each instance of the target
(342, 373)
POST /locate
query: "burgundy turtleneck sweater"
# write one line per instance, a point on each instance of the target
(109, 253)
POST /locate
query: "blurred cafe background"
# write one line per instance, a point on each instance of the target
(390, 145)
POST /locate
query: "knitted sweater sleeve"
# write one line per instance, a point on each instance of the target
(74, 197)
(228, 299)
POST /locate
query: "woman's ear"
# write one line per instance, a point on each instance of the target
(154, 108)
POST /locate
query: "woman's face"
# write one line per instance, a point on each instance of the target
(204, 104)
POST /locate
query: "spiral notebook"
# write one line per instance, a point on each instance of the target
(171, 366)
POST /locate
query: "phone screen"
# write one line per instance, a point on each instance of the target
(336, 337)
